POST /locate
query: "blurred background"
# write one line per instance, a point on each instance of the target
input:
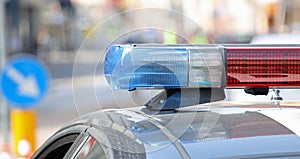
(65, 35)
(49, 26)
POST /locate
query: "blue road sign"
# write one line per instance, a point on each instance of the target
(24, 81)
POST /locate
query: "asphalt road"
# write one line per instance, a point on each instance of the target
(76, 92)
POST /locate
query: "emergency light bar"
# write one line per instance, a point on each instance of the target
(202, 66)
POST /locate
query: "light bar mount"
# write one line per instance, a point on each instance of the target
(172, 99)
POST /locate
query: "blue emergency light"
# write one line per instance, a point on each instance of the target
(165, 66)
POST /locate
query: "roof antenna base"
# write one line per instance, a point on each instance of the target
(276, 95)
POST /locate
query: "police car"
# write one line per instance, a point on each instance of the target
(188, 117)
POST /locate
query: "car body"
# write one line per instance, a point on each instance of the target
(212, 130)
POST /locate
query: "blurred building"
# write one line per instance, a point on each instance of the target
(21, 26)
(58, 25)
(29, 24)
(225, 21)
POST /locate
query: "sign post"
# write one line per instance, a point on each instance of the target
(24, 82)
(23, 123)
(3, 106)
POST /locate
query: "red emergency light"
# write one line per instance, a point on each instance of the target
(263, 66)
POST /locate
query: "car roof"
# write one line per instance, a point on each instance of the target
(222, 129)
(214, 130)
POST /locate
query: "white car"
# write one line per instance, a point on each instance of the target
(189, 119)
(276, 39)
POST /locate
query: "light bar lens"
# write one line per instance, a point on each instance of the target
(158, 66)
(263, 66)
(205, 67)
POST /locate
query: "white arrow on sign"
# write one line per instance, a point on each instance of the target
(27, 85)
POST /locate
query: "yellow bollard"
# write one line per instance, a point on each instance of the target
(23, 132)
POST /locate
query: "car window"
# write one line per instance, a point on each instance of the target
(58, 148)
(91, 150)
